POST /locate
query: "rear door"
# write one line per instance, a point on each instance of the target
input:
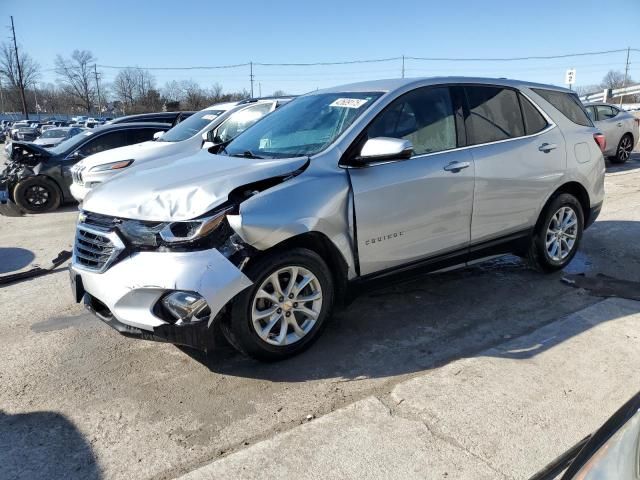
(409, 210)
(518, 156)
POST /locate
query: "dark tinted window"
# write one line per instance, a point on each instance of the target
(423, 116)
(105, 142)
(534, 122)
(494, 114)
(605, 112)
(568, 103)
(142, 135)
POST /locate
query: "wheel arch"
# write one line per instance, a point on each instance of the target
(321, 244)
(39, 175)
(573, 188)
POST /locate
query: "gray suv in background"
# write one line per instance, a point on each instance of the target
(619, 128)
(262, 236)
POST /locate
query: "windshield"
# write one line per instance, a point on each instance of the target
(54, 133)
(192, 125)
(305, 126)
(70, 143)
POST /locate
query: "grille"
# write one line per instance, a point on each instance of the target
(96, 248)
(76, 174)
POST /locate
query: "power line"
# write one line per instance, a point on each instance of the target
(513, 59)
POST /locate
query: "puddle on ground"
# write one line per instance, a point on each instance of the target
(605, 286)
(60, 323)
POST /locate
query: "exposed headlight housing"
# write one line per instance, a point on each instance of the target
(156, 234)
(111, 166)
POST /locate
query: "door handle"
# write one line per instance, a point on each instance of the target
(547, 147)
(619, 124)
(455, 167)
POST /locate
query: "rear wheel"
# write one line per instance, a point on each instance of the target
(623, 152)
(37, 195)
(285, 310)
(557, 235)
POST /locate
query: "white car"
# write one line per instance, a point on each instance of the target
(620, 130)
(53, 136)
(220, 123)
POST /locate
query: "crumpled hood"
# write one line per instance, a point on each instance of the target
(182, 189)
(47, 141)
(138, 151)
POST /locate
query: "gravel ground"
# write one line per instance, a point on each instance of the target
(80, 401)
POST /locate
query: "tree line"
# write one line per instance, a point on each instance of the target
(79, 88)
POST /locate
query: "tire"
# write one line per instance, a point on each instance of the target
(37, 195)
(624, 149)
(546, 259)
(251, 310)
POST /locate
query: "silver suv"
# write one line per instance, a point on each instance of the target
(259, 238)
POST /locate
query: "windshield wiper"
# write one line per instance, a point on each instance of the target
(246, 154)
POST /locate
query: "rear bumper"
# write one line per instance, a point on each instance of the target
(594, 212)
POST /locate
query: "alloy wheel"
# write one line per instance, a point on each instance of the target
(562, 233)
(624, 149)
(286, 306)
(37, 196)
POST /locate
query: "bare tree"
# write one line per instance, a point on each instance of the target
(77, 78)
(135, 88)
(124, 87)
(195, 97)
(215, 93)
(613, 79)
(9, 70)
(279, 93)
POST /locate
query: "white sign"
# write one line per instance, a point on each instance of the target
(348, 102)
(570, 76)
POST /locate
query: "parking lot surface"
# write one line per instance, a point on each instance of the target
(81, 401)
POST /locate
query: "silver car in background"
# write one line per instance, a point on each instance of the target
(620, 129)
(261, 237)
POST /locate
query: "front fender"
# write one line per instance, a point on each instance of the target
(310, 202)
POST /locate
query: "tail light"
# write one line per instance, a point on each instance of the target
(601, 141)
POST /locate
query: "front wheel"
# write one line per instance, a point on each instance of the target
(557, 235)
(285, 309)
(37, 195)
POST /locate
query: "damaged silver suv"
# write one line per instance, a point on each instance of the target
(259, 238)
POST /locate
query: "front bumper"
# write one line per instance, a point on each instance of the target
(79, 191)
(7, 207)
(126, 294)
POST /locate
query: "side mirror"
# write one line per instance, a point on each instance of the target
(385, 148)
(212, 137)
(157, 135)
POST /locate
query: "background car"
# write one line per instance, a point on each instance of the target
(223, 121)
(26, 134)
(37, 179)
(619, 127)
(172, 118)
(53, 136)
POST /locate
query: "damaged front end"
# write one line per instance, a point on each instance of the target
(166, 281)
(26, 160)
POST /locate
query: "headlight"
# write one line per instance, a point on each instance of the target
(150, 234)
(111, 166)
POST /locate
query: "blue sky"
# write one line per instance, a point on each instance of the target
(189, 32)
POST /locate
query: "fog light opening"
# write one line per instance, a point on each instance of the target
(186, 307)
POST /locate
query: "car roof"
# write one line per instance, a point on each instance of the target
(392, 84)
(131, 125)
(594, 104)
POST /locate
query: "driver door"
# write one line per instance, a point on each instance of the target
(410, 210)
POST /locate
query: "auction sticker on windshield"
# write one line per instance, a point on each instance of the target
(348, 102)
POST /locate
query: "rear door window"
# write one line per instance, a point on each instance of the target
(534, 122)
(605, 112)
(424, 117)
(569, 105)
(494, 114)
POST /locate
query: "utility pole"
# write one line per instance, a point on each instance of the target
(251, 77)
(626, 72)
(1, 98)
(260, 89)
(21, 86)
(95, 72)
(35, 97)
(402, 66)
